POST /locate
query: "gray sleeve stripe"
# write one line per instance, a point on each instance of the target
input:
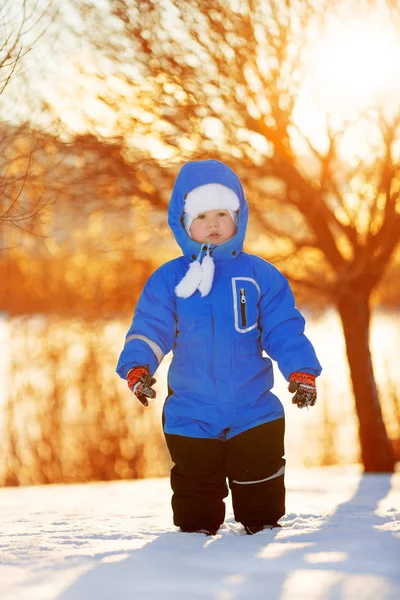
(155, 347)
(277, 474)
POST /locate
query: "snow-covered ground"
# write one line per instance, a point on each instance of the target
(113, 541)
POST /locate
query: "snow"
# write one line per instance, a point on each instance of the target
(113, 541)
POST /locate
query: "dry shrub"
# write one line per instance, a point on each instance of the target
(68, 416)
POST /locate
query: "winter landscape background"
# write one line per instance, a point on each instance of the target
(100, 105)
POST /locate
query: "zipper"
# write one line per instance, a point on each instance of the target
(212, 362)
(243, 306)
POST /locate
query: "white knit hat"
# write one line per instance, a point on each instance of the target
(212, 196)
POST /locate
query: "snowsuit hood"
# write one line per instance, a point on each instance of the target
(199, 173)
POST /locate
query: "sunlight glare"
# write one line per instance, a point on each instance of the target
(276, 550)
(353, 67)
(326, 557)
(356, 64)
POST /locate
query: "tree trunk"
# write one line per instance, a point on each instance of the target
(376, 449)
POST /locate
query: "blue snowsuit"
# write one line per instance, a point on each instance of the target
(220, 383)
(221, 419)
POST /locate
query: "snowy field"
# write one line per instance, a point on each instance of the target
(113, 541)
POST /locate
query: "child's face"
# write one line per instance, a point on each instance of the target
(213, 227)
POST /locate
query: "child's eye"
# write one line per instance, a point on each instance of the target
(222, 214)
(201, 217)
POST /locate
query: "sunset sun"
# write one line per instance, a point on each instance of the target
(352, 67)
(358, 62)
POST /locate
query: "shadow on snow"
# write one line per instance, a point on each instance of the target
(347, 557)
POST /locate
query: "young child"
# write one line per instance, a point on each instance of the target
(217, 308)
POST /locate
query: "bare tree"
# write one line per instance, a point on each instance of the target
(22, 23)
(218, 78)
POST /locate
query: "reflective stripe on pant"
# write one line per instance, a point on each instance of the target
(252, 461)
(255, 467)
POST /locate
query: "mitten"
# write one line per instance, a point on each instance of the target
(140, 382)
(304, 386)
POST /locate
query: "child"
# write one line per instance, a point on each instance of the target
(217, 308)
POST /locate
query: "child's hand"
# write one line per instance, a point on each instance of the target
(140, 382)
(304, 386)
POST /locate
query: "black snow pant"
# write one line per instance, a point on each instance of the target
(252, 462)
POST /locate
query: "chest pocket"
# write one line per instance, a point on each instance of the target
(246, 295)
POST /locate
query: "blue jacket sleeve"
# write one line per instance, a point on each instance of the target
(152, 332)
(282, 327)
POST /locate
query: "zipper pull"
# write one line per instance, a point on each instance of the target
(242, 295)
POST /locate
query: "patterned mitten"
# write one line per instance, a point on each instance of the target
(140, 382)
(304, 386)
